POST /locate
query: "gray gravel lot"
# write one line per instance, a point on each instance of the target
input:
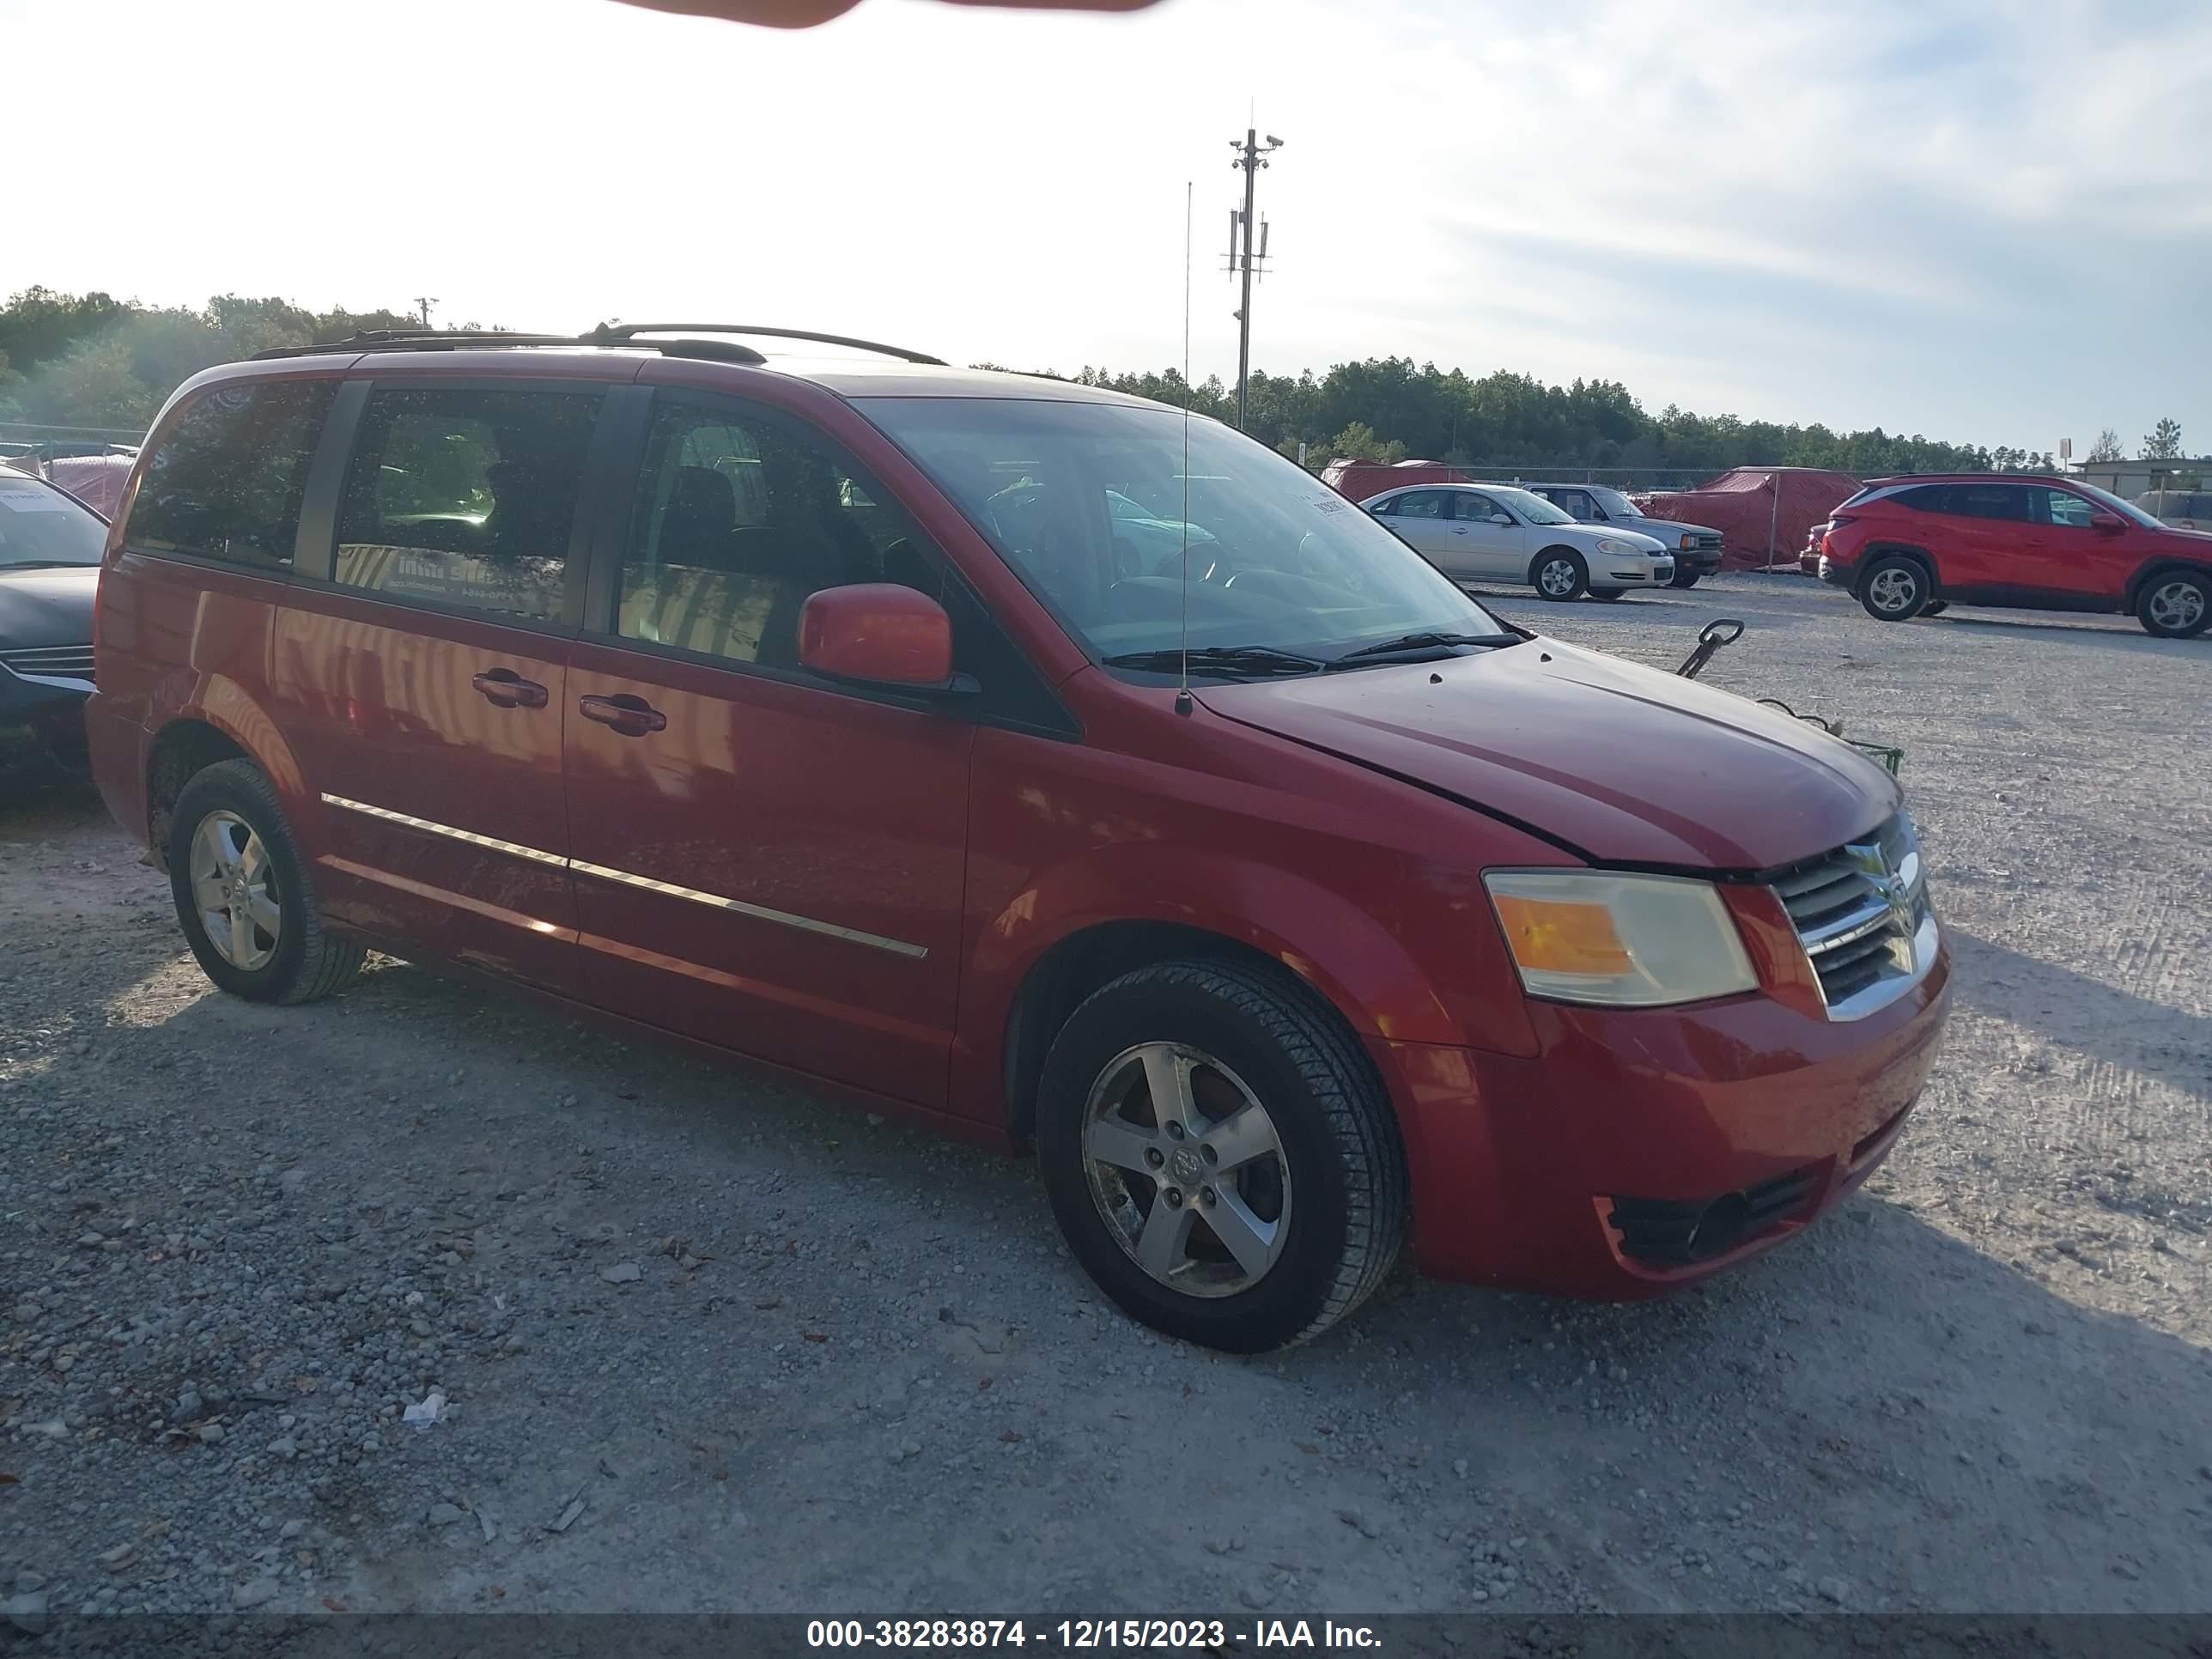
(708, 1345)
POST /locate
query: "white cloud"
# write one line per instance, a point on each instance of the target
(1870, 195)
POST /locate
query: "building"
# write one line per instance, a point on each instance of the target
(2129, 479)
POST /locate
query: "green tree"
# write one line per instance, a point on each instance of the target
(2163, 443)
(2107, 447)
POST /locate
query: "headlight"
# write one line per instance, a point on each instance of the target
(1621, 941)
(1617, 547)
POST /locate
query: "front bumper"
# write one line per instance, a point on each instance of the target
(1641, 1150)
(1656, 572)
(1698, 561)
(50, 707)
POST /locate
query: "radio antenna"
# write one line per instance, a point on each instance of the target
(1182, 702)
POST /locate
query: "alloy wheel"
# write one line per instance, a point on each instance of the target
(1187, 1168)
(1894, 590)
(1556, 579)
(234, 890)
(2177, 606)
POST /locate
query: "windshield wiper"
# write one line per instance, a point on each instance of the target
(1233, 658)
(1425, 643)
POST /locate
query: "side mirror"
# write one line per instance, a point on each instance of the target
(1505, 518)
(878, 633)
(2108, 524)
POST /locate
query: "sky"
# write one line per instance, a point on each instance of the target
(1985, 220)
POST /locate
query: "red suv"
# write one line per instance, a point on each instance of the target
(822, 711)
(1908, 547)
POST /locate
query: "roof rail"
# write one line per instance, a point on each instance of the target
(607, 334)
(432, 339)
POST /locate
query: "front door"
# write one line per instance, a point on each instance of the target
(763, 859)
(2062, 554)
(1491, 551)
(422, 682)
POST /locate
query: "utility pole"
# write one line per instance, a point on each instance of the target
(1251, 155)
(425, 301)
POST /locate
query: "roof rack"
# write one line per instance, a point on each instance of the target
(607, 334)
(433, 339)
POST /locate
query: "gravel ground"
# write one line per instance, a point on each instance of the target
(706, 1345)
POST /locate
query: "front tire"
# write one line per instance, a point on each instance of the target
(1686, 578)
(242, 894)
(1220, 1155)
(2175, 604)
(1559, 574)
(1894, 589)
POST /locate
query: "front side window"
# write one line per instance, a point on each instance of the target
(226, 479)
(738, 518)
(1573, 501)
(2062, 507)
(1616, 505)
(1287, 564)
(1471, 509)
(465, 498)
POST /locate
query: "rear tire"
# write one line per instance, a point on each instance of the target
(1894, 589)
(242, 894)
(2175, 604)
(1558, 574)
(1686, 578)
(1309, 1193)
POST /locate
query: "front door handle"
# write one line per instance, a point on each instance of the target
(630, 716)
(505, 689)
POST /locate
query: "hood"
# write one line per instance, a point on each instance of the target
(1626, 764)
(46, 607)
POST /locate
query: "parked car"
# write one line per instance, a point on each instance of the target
(2181, 509)
(1906, 547)
(1497, 533)
(1695, 547)
(1297, 913)
(50, 552)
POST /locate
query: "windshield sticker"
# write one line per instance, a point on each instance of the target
(1329, 503)
(33, 501)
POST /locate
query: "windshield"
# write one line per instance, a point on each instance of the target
(2126, 509)
(1616, 505)
(1532, 507)
(41, 525)
(1277, 559)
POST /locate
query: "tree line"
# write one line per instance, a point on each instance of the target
(90, 360)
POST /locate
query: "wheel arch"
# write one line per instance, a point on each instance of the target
(2163, 565)
(1544, 553)
(224, 724)
(1875, 552)
(1076, 966)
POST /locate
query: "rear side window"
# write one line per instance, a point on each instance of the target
(2005, 502)
(1417, 504)
(225, 481)
(465, 498)
(1922, 498)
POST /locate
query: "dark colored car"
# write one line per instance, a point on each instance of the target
(1695, 547)
(49, 551)
(809, 710)
(1908, 547)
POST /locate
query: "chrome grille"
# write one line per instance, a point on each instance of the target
(1863, 915)
(64, 661)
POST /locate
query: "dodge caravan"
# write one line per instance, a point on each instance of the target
(819, 709)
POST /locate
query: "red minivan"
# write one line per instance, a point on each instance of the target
(844, 714)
